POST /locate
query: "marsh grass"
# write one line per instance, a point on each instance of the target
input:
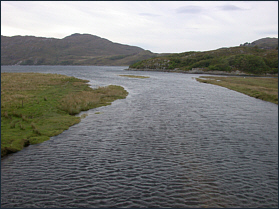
(83, 116)
(36, 106)
(12, 124)
(258, 87)
(134, 76)
(74, 103)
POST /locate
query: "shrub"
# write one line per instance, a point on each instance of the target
(249, 63)
(201, 64)
(138, 65)
(220, 67)
(271, 62)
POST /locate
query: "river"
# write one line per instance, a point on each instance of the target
(173, 142)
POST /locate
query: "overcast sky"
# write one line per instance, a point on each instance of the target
(158, 26)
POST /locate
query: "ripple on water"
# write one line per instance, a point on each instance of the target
(170, 143)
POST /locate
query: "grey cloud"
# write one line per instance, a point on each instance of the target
(267, 32)
(230, 7)
(189, 9)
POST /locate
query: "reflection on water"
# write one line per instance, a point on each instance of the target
(173, 142)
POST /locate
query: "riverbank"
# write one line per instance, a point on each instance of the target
(261, 88)
(202, 71)
(134, 76)
(36, 106)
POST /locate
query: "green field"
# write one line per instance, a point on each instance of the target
(258, 87)
(36, 106)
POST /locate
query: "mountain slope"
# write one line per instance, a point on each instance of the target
(259, 58)
(76, 49)
(264, 43)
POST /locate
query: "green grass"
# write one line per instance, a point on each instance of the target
(261, 88)
(36, 106)
(134, 76)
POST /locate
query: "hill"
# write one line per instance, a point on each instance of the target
(264, 43)
(76, 49)
(259, 57)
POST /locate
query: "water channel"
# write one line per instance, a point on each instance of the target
(173, 142)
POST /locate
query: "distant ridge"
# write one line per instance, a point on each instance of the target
(257, 58)
(87, 49)
(75, 49)
(264, 43)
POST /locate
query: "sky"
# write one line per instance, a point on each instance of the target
(158, 26)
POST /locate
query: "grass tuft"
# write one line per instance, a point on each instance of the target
(12, 124)
(21, 126)
(83, 116)
(24, 118)
(37, 132)
(33, 126)
(6, 115)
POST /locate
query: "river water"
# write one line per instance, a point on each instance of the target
(173, 142)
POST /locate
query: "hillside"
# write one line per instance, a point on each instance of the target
(259, 57)
(76, 49)
(264, 43)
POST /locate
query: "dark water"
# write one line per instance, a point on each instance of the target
(173, 142)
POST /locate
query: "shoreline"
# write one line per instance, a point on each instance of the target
(262, 88)
(200, 71)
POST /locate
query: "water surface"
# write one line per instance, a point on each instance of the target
(173, 142)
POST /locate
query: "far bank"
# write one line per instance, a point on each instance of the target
(203, 71)
(261, 88)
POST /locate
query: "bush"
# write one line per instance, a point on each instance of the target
(220, 67)
(271, 62)
(273, 71)
(137, 65)
(201, 64)
(249, 63)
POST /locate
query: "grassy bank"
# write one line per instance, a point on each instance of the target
(261, 88)
(134, 76)
(36, 106)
